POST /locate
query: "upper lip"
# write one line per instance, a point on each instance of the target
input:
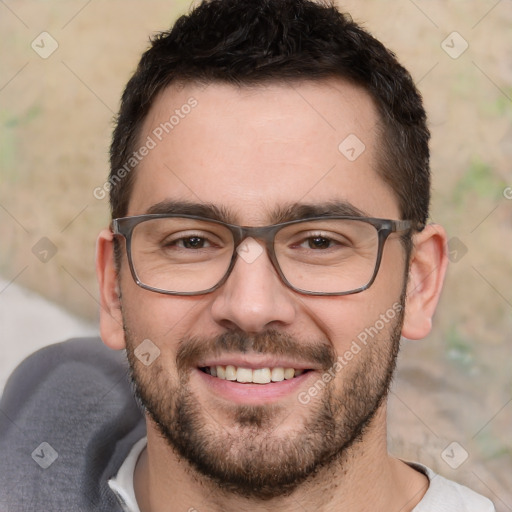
(255, 361)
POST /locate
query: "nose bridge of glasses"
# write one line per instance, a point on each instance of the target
(263, 234)
(250, 242)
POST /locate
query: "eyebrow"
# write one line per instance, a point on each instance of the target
(285, 213)
(299, 211)
(207, 210)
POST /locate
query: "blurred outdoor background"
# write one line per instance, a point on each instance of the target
(56, 112)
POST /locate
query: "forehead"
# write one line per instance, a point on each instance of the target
(250, 150)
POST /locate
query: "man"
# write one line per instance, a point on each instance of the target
(269, 188)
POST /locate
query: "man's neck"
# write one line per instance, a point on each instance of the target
(366, 478)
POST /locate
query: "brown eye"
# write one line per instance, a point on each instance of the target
(319, 242)
(193, 242)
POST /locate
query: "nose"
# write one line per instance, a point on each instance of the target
(253, 298)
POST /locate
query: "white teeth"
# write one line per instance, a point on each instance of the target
(258, 376)
(289, 373)
(261, 376)
(277, 374)
(244, 375)
(230, 372)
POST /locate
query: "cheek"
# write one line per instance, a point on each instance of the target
(355, 319)
(163, 319)
(383, 298)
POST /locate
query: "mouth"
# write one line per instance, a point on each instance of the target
(254, 379)
(263, 375)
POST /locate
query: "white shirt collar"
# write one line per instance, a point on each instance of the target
(122, 484)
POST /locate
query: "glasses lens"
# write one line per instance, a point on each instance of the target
(327, 256)
(181, 255)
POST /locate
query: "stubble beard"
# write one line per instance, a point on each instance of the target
(253, 459)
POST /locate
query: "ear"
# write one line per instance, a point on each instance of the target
(427, 270)
(111, 321)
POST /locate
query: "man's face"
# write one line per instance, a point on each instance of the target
(251, 153)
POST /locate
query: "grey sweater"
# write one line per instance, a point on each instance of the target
(68, 420)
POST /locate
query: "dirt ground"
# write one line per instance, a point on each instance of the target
(56, 112)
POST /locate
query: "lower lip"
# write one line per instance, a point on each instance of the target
(253, 394)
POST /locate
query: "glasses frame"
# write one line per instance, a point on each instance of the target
(124, 227)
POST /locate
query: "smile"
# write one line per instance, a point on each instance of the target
(243, 375)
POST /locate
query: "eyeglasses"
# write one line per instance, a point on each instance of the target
(189, 255)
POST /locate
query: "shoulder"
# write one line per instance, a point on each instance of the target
(444, 495)
(62, 372)
(84, 350)
(67, 420)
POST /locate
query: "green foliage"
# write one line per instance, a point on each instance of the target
(478, 181)
(27, 117)
(490, 446)
(9, 141)
(500, 106)
(7, 148)
(458, 349)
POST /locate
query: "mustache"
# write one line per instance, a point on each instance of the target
(272, 342)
